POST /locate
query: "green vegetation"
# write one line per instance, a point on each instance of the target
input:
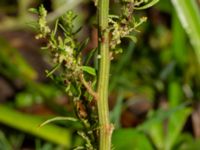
(123, 75)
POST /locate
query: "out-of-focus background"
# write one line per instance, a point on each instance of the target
(154, 85)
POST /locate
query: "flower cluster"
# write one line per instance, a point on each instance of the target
(43, 28)
(63, 47)
(125, 24)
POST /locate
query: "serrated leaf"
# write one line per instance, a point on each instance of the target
(58, 119)
(89, 70)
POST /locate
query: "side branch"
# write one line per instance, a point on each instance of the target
(88, 87)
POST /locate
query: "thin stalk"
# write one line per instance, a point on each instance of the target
(104, 68)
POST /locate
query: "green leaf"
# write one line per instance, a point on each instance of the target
(55, 28)
(49, 73)
(4, 143)
(24, 100)
(179, 43)
(63, 28)
(89, 70)
(58, 119)
(130, 139)
(189, 15)
(82, 45)
(132, 38)
(177, 121)
(33, 10)
(155, 129)
(13, 65)
(116, 112)
(175, 126)
(187, 142)
(150, 4)
(164, 6)
(30, 123)
(125, 58)
(89, 56)
(78, 30)
(175, 93)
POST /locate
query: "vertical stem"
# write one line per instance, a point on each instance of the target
(102, 102)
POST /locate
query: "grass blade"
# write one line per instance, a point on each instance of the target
(57, 119)
(29, 124)
(189, 16)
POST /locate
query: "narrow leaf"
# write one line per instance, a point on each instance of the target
(153, 2)
(82, 45)
(189, 15)
(33, 10)
(58, 119)
(132, 38)
(89, 56)
(79, 29)
(89, 70)
(56, 27)
(53, 70)
(63, 28)
(29, 123)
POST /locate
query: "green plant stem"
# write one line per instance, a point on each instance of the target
(103, 81)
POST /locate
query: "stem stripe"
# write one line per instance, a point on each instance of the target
(103, 82)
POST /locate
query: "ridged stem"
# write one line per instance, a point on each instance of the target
(103, 77)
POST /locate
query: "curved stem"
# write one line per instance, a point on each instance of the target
(88, 87)
(103, 81)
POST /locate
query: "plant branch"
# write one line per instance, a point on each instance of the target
(88, 87)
